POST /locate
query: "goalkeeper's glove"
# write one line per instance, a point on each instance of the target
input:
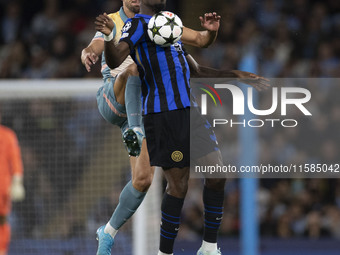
(17, 189)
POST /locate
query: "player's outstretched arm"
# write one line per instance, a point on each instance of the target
(114, 54)
(90, 54)
(202, 39)
(199, 71)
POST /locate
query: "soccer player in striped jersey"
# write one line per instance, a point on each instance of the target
(119, 103)
(166, 93)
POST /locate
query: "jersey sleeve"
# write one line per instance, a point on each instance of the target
(132, 32)
(15, 155)
(98, 36)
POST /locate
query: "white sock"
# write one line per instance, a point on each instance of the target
(161, 253)
(109, 229)
(206, 246)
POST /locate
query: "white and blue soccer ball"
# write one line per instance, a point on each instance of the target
(165, 28)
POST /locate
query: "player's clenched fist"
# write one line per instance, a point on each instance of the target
(104, 24)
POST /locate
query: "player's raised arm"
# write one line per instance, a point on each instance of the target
(114, 54)
(202, 39)
(199, 71)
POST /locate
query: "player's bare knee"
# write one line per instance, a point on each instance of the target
(176, 193)
(216, 184)
(142, 182)
(177, 179)
(146, 181)
(177, 188)
(132, 70)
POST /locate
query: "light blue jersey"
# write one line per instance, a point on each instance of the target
(119, 19)
(110, 109)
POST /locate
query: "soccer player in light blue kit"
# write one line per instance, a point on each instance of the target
(111, 97)
(119, 103)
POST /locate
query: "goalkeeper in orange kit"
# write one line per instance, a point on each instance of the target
(11, 186)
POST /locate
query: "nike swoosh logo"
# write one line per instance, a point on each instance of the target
(176, 229)
(219, 218)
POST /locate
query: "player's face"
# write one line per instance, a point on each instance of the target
(132, 5)
(157, 5)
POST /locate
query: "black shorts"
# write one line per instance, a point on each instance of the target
(168, 137)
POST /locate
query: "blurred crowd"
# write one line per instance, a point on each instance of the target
(42, 39)
(295, 38)
(287, 208)
(290, 39)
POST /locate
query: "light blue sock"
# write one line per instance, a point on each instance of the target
(133, 101)
(129, 201)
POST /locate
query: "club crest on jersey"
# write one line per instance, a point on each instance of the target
(126, 27)
(178, 47)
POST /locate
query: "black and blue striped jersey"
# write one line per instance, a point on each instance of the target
(164, 71)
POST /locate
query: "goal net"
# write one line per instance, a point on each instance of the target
(75, 166)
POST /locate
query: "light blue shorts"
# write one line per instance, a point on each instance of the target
(109, 108)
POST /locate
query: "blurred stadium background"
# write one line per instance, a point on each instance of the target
(75, 164)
